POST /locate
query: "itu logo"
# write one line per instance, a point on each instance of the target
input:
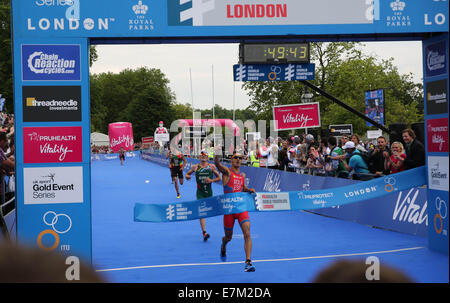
(390, 182)
(59, 223)
(441, 208)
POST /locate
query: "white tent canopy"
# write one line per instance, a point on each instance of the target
(99, 139)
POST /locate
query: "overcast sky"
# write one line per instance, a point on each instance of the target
(213, 63)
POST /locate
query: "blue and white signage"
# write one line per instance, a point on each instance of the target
(231, 18)
(435, 59)
(51, 62)
(275, 72)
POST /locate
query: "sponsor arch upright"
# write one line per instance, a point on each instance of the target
(51, 42)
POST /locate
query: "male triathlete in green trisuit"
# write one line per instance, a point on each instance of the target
(204, 173)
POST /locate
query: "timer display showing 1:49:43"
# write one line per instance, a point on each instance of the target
(286, 52)
(269, 53)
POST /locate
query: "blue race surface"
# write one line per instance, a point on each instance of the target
(288, 247)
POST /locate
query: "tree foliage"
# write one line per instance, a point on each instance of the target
(346, 73)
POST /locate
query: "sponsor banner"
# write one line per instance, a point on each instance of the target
(194, 18)
(293, 200)
(438, 213)
(214, 206)
(437, 135)
(52, 144)
(272, 201)
(121, 136)
(273, 72)
(374, 102)
(271, 12)
(436, 97)
(435, 59)
(51, 103)
(53, 185)
(339, 130)
(403, 211)
(296, 116)
(438, 173)
(162, 137)
(146, 140)
(51, 62)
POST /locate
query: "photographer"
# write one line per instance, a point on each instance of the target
(315, 160)
(378, 157)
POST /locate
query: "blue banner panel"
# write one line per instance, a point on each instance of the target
(53, 200)
(51, 62)
(273, 72)
(436, 87)
(231, 18)
(375, 106)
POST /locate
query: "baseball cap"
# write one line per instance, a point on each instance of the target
(309, 137)
(349, 144)
(160, 122)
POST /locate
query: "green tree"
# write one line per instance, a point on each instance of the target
(141, 97)
(344, 72)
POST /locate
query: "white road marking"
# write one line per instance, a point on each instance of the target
(267, 260)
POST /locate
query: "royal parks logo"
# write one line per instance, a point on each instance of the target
(398, 18)
(140, 20)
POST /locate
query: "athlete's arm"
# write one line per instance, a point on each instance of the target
(216, 173)
(193, 169)
(245, 188)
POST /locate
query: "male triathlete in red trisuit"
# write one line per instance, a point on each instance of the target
(234, 181)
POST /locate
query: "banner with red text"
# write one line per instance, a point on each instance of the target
(295, 116)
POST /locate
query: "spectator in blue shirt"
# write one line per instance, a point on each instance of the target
(356, 163)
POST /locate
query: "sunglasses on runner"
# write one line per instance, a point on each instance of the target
(237, 157)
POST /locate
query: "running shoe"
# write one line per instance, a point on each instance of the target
(178, 196)
(205, 236)
(249, 267)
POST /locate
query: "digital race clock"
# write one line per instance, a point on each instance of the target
(270, 53)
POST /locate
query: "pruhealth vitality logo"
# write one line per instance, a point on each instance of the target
(52, 144)
(60, 62)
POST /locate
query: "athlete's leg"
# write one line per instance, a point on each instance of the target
(245, 226)
(174, 180)
(228, 223)
(203, 226)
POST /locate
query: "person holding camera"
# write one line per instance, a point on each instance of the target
(378, 157)
(315, 160)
